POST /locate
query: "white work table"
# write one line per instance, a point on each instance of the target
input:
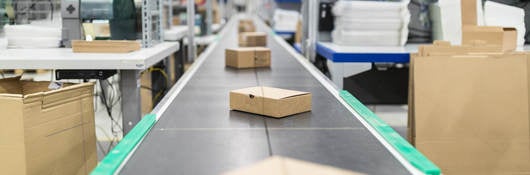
(176, 33)
(130, 65)
(64, 58)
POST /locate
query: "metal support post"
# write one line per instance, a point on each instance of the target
(191, 30)
(131, 99)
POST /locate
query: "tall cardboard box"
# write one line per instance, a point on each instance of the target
(273, 102)
(45, 132)
(248, 57)
(278, 165)
(469, 111)
(253, 39)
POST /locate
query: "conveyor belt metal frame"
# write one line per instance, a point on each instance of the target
(131, 142)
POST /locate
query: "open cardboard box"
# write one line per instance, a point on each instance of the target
(46, 131)
(273, 102)
(248, 57)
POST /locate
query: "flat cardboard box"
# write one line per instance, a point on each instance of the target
(253, 39)
(506, 37)
(278, 165)
(45, 131)
(273, 102)
(105, 46)
(248, 57)
(468, 114)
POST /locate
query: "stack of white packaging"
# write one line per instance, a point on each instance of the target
(371, 23)
(30, 36)
(285, 20)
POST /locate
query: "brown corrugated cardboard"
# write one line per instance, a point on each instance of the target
(493, 36)
(277, 165)
(246, 25)
(253, 39)
(469, 112)
(105, 46)
(298, 33)
(46, 132)
(146, 92)
(489, 35)
(270, 101)
(248, 57)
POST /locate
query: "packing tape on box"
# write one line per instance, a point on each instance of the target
(112, 161)
(410, 153)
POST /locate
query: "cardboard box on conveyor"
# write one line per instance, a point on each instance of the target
(46, 131)
(273, 102)
(248, 57)
(246, 25)
(253, 39)
(278, 165)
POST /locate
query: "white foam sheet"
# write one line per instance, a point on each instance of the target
(371, 23)
(496, 14)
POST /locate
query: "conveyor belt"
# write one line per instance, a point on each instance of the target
(198, 134)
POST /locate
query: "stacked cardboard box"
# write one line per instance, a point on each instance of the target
(469, 105)
(253, 39)
(248, 57)
(46, 131)
(246, 25)
(469, 108)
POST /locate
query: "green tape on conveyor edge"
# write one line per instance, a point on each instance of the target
(110, 164)
(217, 38)
(410, 153)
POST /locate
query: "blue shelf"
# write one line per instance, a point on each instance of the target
(280, 32)
(288, 1)
(368, 56)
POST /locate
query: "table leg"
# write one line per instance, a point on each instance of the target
(131, 100)
(336, 70)
(340, 70)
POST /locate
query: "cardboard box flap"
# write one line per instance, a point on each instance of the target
(10, 86)
(277, 165)
(34, 90)
(269, 92)
(276, 93)
(469, 12)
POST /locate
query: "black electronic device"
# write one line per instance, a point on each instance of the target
(84, 74)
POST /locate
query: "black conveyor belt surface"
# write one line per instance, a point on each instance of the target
(198, 134)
